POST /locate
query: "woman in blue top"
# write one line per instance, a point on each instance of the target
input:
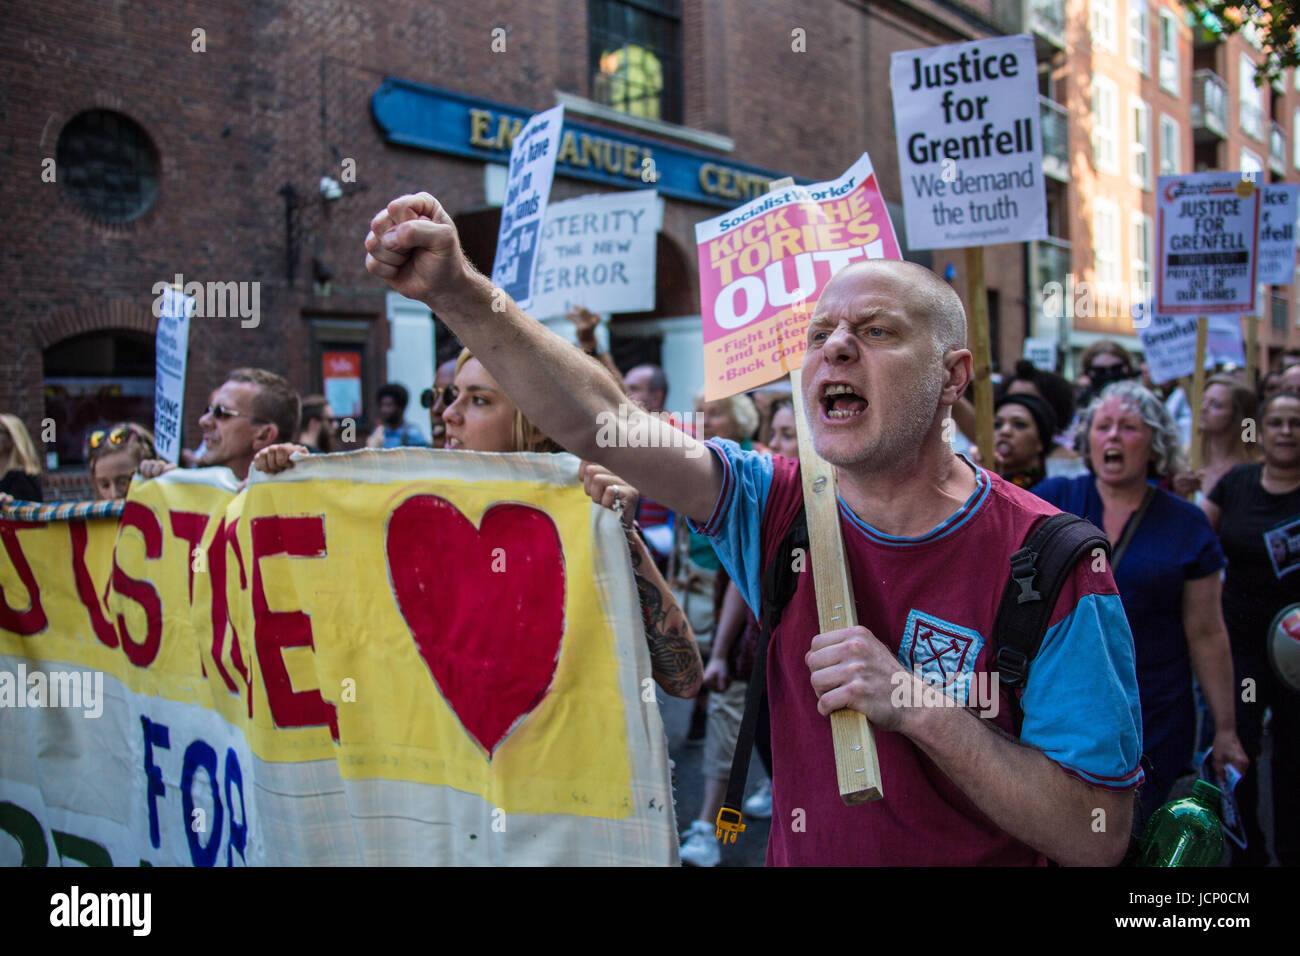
(1167, 575)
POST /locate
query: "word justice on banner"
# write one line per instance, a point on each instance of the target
(295, 674)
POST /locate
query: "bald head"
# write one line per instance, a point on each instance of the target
(929, 299)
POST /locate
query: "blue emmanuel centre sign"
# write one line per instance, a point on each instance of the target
(412, 114)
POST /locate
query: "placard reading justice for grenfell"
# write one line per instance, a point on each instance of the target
(970, 154)
(1207, 235)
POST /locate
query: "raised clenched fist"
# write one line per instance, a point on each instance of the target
(413, 246)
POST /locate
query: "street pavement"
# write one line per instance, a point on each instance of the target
(750, 848)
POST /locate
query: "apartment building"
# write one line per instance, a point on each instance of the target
(1132, 90)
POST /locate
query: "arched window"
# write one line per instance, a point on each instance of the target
(94, 380)
(635, 57)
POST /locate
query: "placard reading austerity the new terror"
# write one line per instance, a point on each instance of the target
(171, 345)
(528, 188)
(1207, 234)
(598, 252)
(1277, 220)
(970, 157)
(764, 265)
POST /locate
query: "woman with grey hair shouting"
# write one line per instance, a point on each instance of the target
(1166, 562)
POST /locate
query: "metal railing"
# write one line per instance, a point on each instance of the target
(1055, 121)
(1209, 102)
(1047, 17)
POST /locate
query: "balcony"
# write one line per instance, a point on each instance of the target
(1276, 150)
(1209, 106)
(1044, 20)
(1055, 123)
(1250, 115)
(1047, 25)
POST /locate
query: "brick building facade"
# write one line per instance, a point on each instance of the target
(234, 113)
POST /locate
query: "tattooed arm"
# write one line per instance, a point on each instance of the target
(674, 655)
(673, 652)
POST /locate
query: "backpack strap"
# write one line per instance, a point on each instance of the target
(1039, 571)
(780, 580)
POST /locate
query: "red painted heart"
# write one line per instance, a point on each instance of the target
(485, 606)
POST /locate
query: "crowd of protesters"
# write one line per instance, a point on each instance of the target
(1203, 559)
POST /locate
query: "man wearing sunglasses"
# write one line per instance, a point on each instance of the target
(253, 408)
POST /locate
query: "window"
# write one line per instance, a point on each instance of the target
(1140, 261)
(1170, 140)
(635, 57)
(1105, 125)
(109, 164)
(94, 380)
(1139, 142)
(1139, 33)
(1105, 246)
(1295, 138)
(1168, 36)
(1250, 31)
(1103, 25)
(1251, 165)
(1250, 112)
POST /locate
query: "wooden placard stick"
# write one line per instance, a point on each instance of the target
(857, 768)
(1252, 350)
(981, 358)
(1198, 389)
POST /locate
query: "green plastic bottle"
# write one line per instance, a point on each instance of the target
(1185, 832)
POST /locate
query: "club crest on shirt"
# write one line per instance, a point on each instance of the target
(944, 654)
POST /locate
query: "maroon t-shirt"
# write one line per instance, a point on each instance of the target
(931, 600)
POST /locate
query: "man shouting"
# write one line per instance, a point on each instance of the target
(927, 537)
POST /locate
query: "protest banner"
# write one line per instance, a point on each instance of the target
(598, 252)
(528, 189)
(1277, 220)
(1042, 352)
(764, 264)
(1207, 235)
(398, 657)
(970, 156)
(1169, 345)
(171, 346)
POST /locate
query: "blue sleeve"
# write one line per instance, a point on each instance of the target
(412, 438)
(1051, 490)
(1081, 700)
(735, 526)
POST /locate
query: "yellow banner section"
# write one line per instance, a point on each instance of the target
(444, 632)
